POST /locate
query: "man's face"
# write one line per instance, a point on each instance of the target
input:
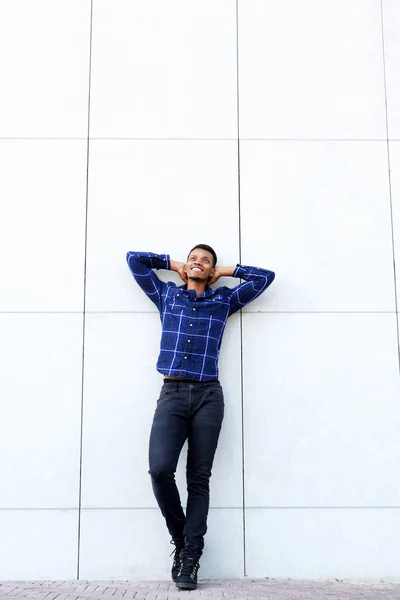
(199, 266)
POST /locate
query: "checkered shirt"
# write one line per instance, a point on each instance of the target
(192, 326)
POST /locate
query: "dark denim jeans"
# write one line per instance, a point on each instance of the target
(192, 411)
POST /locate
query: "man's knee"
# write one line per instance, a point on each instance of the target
(198, 478)
(161, 473)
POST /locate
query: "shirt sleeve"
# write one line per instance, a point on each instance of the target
(256, 281)
(141, 265)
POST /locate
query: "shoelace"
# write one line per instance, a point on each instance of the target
(189, 567)
(176, 552)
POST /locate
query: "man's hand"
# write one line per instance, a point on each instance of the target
(221, 272)
(215, 277)
(179, 268)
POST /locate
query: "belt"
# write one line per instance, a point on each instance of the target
(179, 380)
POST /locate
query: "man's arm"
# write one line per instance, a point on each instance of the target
(256, 281)
(178, 267)
(141, 265)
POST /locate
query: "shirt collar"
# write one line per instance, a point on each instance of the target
(192, 294)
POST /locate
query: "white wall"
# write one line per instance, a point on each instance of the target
(151, 163)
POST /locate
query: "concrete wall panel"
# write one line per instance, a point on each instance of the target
(311, 70)
(164, 70)
(40, 388)
(45, 78)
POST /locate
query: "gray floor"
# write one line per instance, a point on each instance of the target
(219, 588)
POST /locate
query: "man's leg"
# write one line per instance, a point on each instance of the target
(168, 434)
(207, 411)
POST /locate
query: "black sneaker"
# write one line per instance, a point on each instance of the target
(187, 575)
(176, 561)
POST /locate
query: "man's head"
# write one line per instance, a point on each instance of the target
(201, 263)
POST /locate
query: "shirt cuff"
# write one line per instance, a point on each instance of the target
(239, 271)
(162, 262)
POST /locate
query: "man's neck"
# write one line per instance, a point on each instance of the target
(198, 286)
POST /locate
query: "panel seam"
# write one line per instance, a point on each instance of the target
(84, 297)
(390, 184)
(241, 312)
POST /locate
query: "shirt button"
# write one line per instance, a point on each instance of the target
(194, 309)
(195, 299)
(188, 340)
(185, 357)
(191, 325)
(177, 295)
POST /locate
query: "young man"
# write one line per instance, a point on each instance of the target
(191, 403)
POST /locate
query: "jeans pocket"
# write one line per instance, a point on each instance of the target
(166, 390)
(217, 394)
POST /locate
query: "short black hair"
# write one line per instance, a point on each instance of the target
(205, 247)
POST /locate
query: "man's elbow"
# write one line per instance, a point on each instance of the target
(131, 256)
(270, 277)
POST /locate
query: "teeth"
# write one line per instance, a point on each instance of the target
(196, 269)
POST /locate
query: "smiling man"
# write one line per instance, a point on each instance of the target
(191, 403)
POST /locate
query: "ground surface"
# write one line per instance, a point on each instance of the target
(241, 589)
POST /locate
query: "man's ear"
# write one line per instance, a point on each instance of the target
(212, 273)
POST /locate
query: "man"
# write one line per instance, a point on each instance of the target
(191, 403)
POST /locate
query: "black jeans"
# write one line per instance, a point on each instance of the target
(192, 411)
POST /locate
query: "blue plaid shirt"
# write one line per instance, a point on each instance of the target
(192, 326)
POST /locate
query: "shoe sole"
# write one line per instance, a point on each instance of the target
(186, 586)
